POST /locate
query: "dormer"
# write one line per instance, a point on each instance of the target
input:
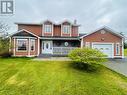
(47, 28)
(66, 28)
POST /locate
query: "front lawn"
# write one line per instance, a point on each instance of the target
(22, 76)
(125, 52)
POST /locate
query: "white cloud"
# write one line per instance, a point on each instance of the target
(91, 14)
(104, 21)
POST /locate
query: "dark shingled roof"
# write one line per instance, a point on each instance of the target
(23, 33)
(82, 34)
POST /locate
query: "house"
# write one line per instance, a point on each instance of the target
(58, 39)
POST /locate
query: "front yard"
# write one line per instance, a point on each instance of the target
(22, 76)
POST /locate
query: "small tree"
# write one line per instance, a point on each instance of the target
(87, 56)
(125, 45)
(4, 40)
(3, 30)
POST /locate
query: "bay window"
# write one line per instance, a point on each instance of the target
(22, 44)
(32, 44)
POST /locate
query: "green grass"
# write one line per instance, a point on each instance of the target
(22, 76)
(125, 52)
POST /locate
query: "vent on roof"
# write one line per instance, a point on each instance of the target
(103, 32)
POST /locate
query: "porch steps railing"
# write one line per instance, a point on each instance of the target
(62, 50)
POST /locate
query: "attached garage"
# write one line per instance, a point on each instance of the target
(106, 48)
(105, 40)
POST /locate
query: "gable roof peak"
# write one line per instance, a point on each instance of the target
(107, 29)
(22, 30)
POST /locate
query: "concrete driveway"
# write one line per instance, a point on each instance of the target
(118, 65)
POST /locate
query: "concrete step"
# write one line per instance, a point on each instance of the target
(44, 56)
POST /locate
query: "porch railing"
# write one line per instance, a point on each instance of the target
(62, 50)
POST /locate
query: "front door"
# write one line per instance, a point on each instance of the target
(47, 47)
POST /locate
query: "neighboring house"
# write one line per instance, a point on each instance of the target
(58, 39)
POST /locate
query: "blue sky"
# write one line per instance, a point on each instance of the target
(91, 14)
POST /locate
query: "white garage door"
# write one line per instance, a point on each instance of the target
(105, 48)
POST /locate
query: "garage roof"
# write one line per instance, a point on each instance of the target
(107, 29)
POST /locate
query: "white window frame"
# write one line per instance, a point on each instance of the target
(68, 29)
(87, 44)
(47, 28)
(33, 44)
(18, 43)
(118, 48)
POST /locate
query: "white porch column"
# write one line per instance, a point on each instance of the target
(38, 40)
(29, 47)
(122, 47)
(81, 43)
(14, 48)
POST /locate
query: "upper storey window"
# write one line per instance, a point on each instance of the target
(48, 28)
(66, 29)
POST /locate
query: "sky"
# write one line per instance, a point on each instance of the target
(90, 14)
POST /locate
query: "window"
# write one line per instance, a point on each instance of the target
(43, 45)
(103, 32)
(48, 28)
(22, 44)
(117, 48)
(47, 45)
(32, 44)
(87, 44)
(66, 29)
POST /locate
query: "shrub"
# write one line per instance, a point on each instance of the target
(5, 54)
(4, 47)
(87, 56)
(125, 45)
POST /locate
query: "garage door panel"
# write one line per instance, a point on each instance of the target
(105, 48)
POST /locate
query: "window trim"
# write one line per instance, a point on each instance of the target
(63, 32)
(87, 44)
(45, 25)
(31, 44)
(117, 47)
(17, 45)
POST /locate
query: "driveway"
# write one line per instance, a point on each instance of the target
(118, 65)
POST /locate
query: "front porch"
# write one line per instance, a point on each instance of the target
(62, 50)
(58, 47)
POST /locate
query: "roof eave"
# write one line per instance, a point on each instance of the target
(104, 27)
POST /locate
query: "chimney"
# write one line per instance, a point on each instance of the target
(75, 21)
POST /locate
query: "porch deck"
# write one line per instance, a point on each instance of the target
(58, 51)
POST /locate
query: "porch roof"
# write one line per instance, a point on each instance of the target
(59, 38)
